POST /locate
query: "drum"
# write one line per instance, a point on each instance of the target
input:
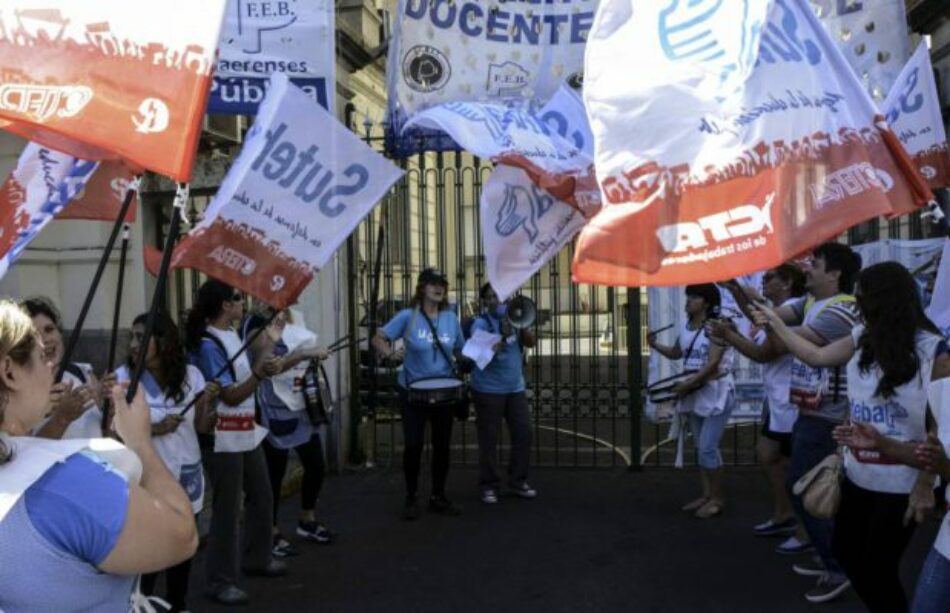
(662, 390)
(436, 391)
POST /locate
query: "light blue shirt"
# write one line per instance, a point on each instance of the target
(423, 359)
(504, 374)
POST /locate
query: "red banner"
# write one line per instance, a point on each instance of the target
(102, 197)
(225, 250)
(111, 78)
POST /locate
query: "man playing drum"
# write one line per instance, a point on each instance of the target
(428, 384)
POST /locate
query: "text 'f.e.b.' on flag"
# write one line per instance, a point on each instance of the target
(298, 189)
(110, 79)
(741, 139)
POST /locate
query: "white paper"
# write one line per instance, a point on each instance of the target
(480, 348)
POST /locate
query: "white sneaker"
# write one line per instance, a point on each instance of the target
(828, 588)
(489, 497)
(524, 490)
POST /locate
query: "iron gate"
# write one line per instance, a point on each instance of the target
(579, 376)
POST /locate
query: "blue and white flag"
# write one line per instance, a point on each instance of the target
(491, 51)
(298, 189)
(43, 182)
(912, 109)
(264, 37)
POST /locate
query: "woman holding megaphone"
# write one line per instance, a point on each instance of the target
(499, 391)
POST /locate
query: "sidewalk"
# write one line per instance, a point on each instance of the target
(598, 541)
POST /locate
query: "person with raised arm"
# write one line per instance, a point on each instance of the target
(890, 359)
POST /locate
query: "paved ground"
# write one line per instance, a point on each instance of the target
(598, 541)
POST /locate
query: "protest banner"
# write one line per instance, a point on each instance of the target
(496, 52)
(522, 228)
(912, 109)
(101, 199)
(298, 189)
(553, 145)
(744, 140)
(263, 37)
(42, 183)
(872, 37)
(110, 79)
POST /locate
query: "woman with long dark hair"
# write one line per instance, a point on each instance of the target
(283, 411)
(430, 334)
(891, 360)
(170, 385)
(234, 458)
(707, 395)
(77, 523)
(74, 410)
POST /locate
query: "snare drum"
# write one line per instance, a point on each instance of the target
(662, 390)
(436, 391)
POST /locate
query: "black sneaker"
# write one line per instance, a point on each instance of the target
(314, 531)
(828, 588)
(282, 548)
(443, 506)
(411, 511)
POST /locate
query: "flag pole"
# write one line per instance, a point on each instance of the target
(114, 340)
(130, 192)
(178, 211)
(247, 345)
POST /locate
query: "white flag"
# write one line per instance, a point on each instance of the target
(913, 111)
(522, 228)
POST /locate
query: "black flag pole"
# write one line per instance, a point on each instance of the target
(114, 340)
(247, 345)
(178, 211)
(130, 192)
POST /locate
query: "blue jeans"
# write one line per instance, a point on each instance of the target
(707, 432)
(812, 443)
(933, 585)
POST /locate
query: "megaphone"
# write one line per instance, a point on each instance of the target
(520, 312)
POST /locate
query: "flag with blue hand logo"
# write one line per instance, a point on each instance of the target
(742, 138)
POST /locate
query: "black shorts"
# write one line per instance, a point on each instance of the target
(784, 439)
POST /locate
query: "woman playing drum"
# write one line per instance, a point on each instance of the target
(425, 366)
(707, 396)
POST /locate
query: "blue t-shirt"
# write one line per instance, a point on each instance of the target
(423, 358)
(210, 359)
(504, 374)
(79, 506)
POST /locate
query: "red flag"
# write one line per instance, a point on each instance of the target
(111, 78)
(102, 197)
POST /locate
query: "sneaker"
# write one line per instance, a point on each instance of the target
(772, 528)
(443, 506)
(282, 548)
(828, 588)
(814, 568)
(792, 546)
(229, 595)
(489, 497)
(314, 531)
(411, 511)
(524, 491)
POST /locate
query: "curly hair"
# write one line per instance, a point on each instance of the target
(893, 314)
(171, 355)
